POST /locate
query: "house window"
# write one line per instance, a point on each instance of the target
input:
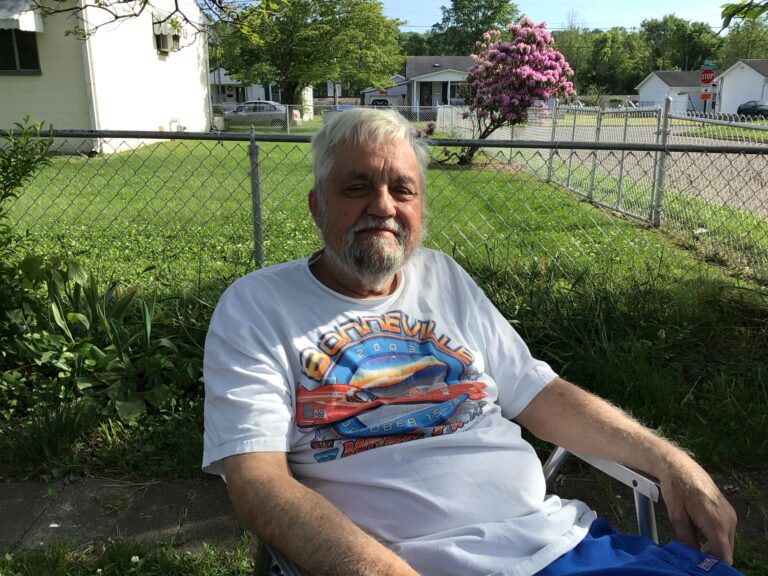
(18, 52)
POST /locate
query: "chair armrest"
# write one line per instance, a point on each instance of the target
(645, 488)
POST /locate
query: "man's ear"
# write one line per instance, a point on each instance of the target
(312, 201)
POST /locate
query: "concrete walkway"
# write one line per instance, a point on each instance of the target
(185, 512)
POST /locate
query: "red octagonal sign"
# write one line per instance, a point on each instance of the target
(707, 76)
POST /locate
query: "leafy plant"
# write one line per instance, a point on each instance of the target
(103, 342)
(27, 150)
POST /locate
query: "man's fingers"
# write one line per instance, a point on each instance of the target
(684, 530)
(721, 547)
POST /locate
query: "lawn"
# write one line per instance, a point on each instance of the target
(612, 305)
(745, 132)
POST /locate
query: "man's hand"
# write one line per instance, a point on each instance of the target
(568, 416)
(302, 524)
(694, 504)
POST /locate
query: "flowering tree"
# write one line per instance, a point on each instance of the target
(509, 75)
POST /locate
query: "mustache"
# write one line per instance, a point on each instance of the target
(388, 224)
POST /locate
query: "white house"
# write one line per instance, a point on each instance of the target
(143, 73)
(745, 80)
(227, 90)
(683, 87)
(436, 80)
(399, 89)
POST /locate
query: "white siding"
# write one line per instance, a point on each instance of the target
(58, 94)
(137, 88)
(653, 92)
(739, 84)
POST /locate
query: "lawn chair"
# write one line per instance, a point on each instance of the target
(269, 562)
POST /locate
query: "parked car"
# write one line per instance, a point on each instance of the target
(754, 108)
(261, 113)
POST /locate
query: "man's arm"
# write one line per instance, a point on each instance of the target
(302, 524)
(568, 416)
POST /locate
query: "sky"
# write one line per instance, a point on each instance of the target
(421, 14)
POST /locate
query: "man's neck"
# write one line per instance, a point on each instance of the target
(348, 285)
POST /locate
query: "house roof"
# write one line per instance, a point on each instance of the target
(673, 78)
(422, 65)
(759, 66)
(679, 78)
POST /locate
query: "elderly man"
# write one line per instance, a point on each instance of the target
(365, 404)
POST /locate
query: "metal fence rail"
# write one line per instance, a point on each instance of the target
(197, 209)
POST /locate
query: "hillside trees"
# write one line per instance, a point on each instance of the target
(465, 21)
(676, 44)
(745, 39)
(313, 41)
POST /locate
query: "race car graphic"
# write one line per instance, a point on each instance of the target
(380, 389)
(336, 402)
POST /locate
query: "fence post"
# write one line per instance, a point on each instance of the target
(619, 191)
(550, 168)
(598, 124)
(570, 156)
(657, 203)
(258, 231)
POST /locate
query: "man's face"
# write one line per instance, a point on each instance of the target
(371, 212)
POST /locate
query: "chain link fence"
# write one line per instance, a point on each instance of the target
(197, 210)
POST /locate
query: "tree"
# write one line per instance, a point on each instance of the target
(677, 44)
(574, 42)
(464, 23)
(509, 75)
(312, 41)
(413, 43)
(745, 39)
(617, 62)
(174, 12)
(744, 10)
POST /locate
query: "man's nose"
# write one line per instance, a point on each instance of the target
(382, 203)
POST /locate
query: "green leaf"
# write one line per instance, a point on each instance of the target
(118, 308)
(130, 410)
(77, 318)
(76, 272)
(31, 267)
(59, 321)
(84, 383)
(157, 395)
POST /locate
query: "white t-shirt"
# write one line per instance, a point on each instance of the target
(396, 409)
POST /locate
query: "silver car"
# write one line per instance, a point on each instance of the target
(261, 113)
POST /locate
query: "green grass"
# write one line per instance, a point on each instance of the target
(739, 134)
(127, 557)
(734, 237)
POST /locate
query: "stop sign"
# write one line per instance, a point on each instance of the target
(707, 75)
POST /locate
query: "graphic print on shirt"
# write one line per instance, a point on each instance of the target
(381, 380)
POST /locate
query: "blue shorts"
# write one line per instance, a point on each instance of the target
(607, 552)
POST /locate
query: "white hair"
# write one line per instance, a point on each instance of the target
(362, 126)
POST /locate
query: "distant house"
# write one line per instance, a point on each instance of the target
(683, 87)
(745, 80)
(436, 80)
(142, 73)
(227, 90)
(399, 89)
